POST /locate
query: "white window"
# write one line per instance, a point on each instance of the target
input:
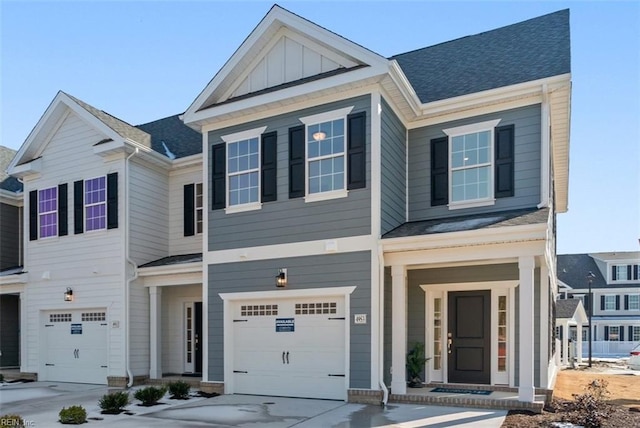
(326, 157)
(502, 334)
(471, 170)
(614, 333)
(634, 302)
(609, 303)
(95, 204)
(198, 208)
(48, 212)
(621, 273)
(635, 333)
(243, 170)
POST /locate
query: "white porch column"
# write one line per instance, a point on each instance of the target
(579, 343)
(23, 333)
(544, 326)
(526, 389)
(565, 343)
(155, 333)
(399, 329)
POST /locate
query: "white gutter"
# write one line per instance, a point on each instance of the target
(128, 282)
(385, 391)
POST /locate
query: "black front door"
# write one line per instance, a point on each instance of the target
(468, 337)
(198, 337)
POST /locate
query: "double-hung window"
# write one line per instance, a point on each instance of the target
(621, 273)
(609, 303)
(95, 204)
(633, 302)
(48, 212)
(614, 333)
(193, 209)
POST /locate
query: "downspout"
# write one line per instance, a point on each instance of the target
(385, 391)
(128, 282)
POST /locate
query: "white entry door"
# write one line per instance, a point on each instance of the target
(74, 347)
(290, 347)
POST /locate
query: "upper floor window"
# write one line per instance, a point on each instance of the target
(621, 273)
(48, 212)
(473, 165)
(633, 302)
(95, 203)
(609, 303)
(244, 170)
(193, 209)
(199, 208)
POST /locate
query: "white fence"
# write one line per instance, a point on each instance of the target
(607, 349)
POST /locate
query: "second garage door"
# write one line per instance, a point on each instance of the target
(290, 347)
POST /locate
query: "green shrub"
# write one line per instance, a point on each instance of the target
(179, 390)
(7, 421)
(1, 377)
(150, 395)
(590, 409)
(74, 415)
(114, 403)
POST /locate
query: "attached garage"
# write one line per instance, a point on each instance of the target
(74, 346)
(293, 347)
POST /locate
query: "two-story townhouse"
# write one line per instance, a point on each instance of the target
(103, 198)
(615, 291)
(358, 204)
(11, 279)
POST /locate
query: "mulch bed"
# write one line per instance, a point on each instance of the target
(621, 417)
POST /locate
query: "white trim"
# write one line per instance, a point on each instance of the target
(205, 245)
(472, 203)
(286, 294)
(326, 117)
(377, 268)
(472, 128)
(325, 196)
(243, 135)
(545, 132)
(235, 138)
(251, 206)
(399, 330)
(294, 249)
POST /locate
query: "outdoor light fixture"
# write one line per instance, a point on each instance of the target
(319, 136)
(68, 295)
(590, 277)
(281, 278)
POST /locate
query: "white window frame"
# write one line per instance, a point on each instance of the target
(198, 208)
(637, 297)
(608, 297)
(55, 211)
(624, 268)
(234, 138)
(314, 120)
(85, 205)
(617, 333)
(473, 128)
(635, 333)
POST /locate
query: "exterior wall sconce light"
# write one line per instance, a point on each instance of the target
(281, 278)
(319, 136)
(68, 295)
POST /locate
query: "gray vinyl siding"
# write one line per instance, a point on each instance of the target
(292, 220)
(393, 176)
(10, 232)
(9, 330)
(322, 271)
(526, 169)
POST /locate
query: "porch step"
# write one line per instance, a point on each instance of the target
(484, 402)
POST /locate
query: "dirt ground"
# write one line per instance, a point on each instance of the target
(623, 386)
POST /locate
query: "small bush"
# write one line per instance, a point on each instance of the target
(179, 390)
(1, 377)
(74, 415)
(114, 403)
(150, 395)
(590, 409)
(7, 421)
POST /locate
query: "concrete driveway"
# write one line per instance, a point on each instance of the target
(39, 403)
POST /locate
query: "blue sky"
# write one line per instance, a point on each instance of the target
(141, 61)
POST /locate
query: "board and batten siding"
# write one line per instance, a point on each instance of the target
(292, 220)
(178, 243)
(10, 231)
(527, 154)
(91, 263)
(393, 186)
(321, 271)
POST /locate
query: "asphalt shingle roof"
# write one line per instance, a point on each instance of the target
(180, 140)
(529, 50)
(7, 182)
(470, 222)
(566, 308)
(174, 260)
(573, 269)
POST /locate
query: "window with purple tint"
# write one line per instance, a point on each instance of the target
(48, 212)
(95, 204)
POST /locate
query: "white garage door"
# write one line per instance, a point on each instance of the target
(74, 347)
(292, 347)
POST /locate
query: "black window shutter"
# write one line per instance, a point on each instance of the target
(617, 303)
(602, 303)
(630, 333)
(621, 328)
(606, 332)
(560, 331)
(594, 331)
(504, 166)
(626, 302)
(440, 171)
(218, 178)
(356, 150)
(78, 207)
(112, 200)
(296, 162)
(63, 210)
(613, 273)
(189, 209)
(629, 272)
(33, 215)
(586, 303)
(635, 272)
(269, 165)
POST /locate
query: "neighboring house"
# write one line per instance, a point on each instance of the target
(570, 318)
(11, 280)
(359, 204)
(102, 199)
(346, 205)
(615, 287)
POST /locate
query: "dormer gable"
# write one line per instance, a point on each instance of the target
(284, 51)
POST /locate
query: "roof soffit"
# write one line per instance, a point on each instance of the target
(272, 55)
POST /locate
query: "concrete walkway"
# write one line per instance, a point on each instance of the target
(39, 403)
